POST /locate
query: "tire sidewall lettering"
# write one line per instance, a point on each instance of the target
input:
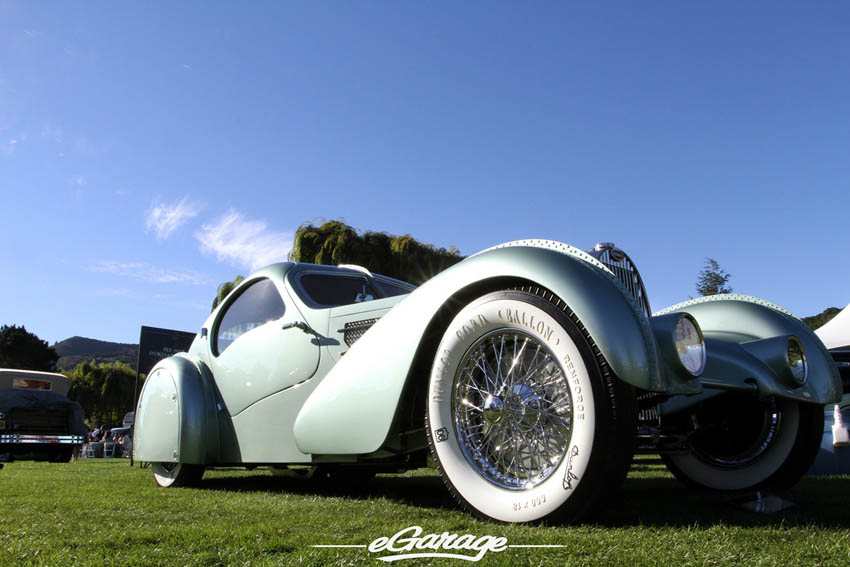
(499, 503)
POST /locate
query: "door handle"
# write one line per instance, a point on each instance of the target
(297, 325)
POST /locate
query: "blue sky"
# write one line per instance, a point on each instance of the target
(150, 151)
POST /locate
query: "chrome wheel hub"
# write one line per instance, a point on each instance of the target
(494, 410)
(512, 409)
(524, 405)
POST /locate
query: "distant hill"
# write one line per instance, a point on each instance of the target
(80, 349)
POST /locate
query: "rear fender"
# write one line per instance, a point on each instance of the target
(176, 418)
(352, 410)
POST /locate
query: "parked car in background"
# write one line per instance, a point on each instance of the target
(530, 372)
(37, 420)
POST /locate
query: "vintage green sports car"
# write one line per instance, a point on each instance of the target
(532, 372)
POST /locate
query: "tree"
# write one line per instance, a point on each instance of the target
(401, 257)
(104, 390)
(24, 350)
(224, 290)
(822, 318)
(712, 279)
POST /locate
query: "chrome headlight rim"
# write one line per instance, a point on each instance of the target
(685, 349)
(795, 358)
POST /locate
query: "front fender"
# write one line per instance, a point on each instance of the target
(738, 331)
(352, 410)
(176, 418)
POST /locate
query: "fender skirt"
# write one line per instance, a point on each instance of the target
(176, 419)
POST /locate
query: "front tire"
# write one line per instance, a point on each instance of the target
(742, 443)
(524, 421)
(168, 475)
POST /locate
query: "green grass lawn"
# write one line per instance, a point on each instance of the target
(102, 512)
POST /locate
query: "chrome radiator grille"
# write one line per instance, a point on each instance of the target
(618, 262)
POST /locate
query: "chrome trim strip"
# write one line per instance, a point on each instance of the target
(714, 385)
(18, 438)
(356, 268)
(355, 327)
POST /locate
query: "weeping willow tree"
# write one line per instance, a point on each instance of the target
(224, 289)
(401, 257)
(104, 390)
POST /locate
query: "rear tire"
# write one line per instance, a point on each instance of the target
(524, 420)
(168, 475)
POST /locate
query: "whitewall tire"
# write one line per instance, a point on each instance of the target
(743, 443)
(168, 475)
(523, 420)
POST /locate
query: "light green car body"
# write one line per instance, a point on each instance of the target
(283, 395)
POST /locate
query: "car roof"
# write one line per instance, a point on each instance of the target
(292, 268)
(59, 382)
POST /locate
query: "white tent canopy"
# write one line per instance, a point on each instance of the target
(836, 333)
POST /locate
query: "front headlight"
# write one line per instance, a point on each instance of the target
(795, 357)
(690, 344)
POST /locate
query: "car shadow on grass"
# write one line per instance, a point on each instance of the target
(425, 491)
(667, 502)
(652, 502)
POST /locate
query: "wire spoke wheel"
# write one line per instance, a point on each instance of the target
(524, 422)
(512, 409)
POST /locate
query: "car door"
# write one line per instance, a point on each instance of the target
(253, 353)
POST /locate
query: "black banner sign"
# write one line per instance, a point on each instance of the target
(156, 344)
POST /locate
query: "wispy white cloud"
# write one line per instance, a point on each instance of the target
(181, 303)
(115, 292)
(150, 273)
(242, 242)
(51, 132)
(165, 218)
(9, 147)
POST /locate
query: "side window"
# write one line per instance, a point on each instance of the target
(332, 290)
(392, 288)
(255, 306)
